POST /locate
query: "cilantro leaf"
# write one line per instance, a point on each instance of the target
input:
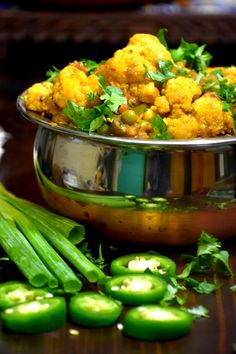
(172, 294)
(96, 124)
(82, 117)
(91, 96)
(160, 129)
(194, 55)
(207, 244)
(199, 311)
(52, 74)
(201, 287)
(112, 97)
(161, 36)
(209, 258)
(163, 74)
(90, 65)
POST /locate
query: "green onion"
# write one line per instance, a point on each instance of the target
(22, 253)
(48, 255)
(66, 248)
(69, 228)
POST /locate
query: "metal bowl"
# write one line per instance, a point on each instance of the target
(144, 191)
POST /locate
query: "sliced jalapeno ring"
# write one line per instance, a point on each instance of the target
(136, 289)
(15, 292)
(141, 262)
(36, 316)
(91, 309)
(153, 322)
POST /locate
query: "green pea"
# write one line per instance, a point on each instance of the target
(129, 117)
(118, 128)
(103, 129)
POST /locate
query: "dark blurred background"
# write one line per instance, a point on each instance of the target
(35, 35)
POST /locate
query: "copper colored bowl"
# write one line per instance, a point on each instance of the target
(144, 191)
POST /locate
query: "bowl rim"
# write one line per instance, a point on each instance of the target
(197, 143)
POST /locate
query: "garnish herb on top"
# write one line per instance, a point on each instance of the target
(52, 74)
(161, 36)
(90, 65)
(194, 55)
(91, 119)
(160, 129)
(164, 72)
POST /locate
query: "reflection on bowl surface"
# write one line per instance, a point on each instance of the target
(140, 193)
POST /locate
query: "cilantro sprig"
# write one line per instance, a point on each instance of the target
(195, 56)
(91, 119)
(112, 97)
(51, 74)
(210, 258)
(208, 261)
(163, 73)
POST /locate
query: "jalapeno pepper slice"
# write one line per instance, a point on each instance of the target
(91, 309)
(141, 262)
(136, 289)
(153, 322)
(36, 316)
(16, 292)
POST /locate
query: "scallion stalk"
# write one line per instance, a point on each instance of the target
(69, 228)
(87, 268)
(22, 253)
(56, 238)
(56, 265)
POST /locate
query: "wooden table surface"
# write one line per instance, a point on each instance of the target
(213, 335)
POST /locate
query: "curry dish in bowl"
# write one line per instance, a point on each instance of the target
(141, 147)
(144, 91)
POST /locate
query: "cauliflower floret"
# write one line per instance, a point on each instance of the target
(212, 120)
(125, 67)
(150, 47)
(162, 105)
(182, 91)
(148, 93)
(128, 65)
(36, 98)
(73, 84)
(183, 127)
